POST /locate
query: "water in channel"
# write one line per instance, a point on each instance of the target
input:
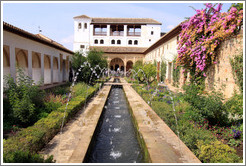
(115, 139)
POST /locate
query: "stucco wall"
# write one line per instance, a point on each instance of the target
(166, 52)
(22, 50)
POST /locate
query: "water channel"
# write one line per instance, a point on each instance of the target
(115, 139)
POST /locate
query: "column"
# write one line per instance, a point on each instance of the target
(42, 67)
(12, 61)
(125, 30)
(59, 68)
(92, 30)
(30, 63)
(108, 30)
(124, 69)
(51, 68)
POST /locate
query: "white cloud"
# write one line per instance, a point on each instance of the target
(170, 26)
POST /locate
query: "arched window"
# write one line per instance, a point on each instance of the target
(135, 42)
(130, 42)
(101, 41)
(79, 26)
(112, 41)
(96, 41)
(85, 25)
(118, 42)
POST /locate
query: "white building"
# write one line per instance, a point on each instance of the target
(164, 50)
(119, 32)
(41, 58)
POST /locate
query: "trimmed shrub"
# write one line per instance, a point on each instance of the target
(34, 138)
(27, 157)
(217, 152)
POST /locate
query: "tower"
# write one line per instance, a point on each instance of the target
(81, 33)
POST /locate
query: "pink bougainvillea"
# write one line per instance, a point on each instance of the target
(202, 33)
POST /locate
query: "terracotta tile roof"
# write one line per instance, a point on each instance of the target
(38, 37)
(81, 16)
(97, 20)
(119, 50)
(174, 32)
(125, 20)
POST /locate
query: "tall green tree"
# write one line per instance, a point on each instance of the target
(94, 58)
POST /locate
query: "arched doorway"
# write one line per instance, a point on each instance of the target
(36, 68)
(116, 67)
(6, 63)
(55, 70)
(122, 68)
(116, 63)
(22, 61)
(129, 65)
(63, 70)
(47, 70)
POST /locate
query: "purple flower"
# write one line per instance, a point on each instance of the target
(233, 9)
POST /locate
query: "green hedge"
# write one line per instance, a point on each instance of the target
(34, 138)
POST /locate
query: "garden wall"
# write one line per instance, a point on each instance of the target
(220, 75)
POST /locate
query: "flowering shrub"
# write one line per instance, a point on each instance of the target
(202, 34)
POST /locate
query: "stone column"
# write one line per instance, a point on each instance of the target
(12, 61)
(108, 30)
(51, 68)
(30, 63)
(124, 69)
(42, 67)
(59, 68)
(125, 30)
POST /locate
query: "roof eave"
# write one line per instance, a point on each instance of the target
(31, 36)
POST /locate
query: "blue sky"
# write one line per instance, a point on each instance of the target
(56, 19)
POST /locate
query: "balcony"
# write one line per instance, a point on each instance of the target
(117, 33)
(100, 33)
(133, 33)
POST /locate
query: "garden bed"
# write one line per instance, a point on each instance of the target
(30, 140)
(209, 142)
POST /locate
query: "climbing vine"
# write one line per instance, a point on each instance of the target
(201, 35)
(237, 69)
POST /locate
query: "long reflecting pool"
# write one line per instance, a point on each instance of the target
(115, 139)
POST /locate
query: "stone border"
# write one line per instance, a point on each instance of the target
(71, 146)
(162, 143)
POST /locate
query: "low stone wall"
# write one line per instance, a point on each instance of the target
(162, 144)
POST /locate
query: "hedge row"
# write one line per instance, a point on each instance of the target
(32, 139)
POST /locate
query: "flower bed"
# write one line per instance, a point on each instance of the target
(32, 139)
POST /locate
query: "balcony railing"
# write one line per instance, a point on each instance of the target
(100, 33)
(133, 33)
(117, 33)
